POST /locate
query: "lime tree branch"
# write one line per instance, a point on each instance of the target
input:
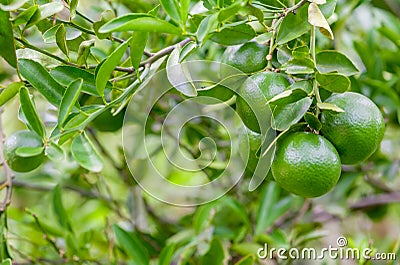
(376, 200)
(7, 184)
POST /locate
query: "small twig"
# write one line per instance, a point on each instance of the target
(7, 171)
(376, 200)
(378, 184)
(302, 211)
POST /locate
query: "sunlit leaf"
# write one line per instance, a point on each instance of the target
(334, 82)
(317, 19)
(9, 92)
(334, 61)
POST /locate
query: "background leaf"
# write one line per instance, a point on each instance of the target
(317, 19)
(86, 154)
(7, 44)
(137, 46)
(9, 92)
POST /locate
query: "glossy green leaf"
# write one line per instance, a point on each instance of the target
(305, 85)
(288, 96)
(300, 66)
(171, 7)
(248, 260)
(105, 17)
(313, 121)
(207, 25)
(30, 113)
(84, 51)
(132, 246)
(12, 5)
(166, 255)
(86, 154)
(287, 115)
(263, 38)
(72, 8)
(293, 26)
(284, 54)
(61, 39)
(69, 99)
(334, 61)
(268, 199)
(179, 76)
(79, 121)
(64, 75)
(234, 35)
(59, 209)
(108, 66)
(25, 16)
(255, 12)
(9, 92)
(7, 44)
(137, 46)
(184, 11)
(317, 19)
(329, 107)
(226, 13)
(28, 151)
(188, 49)
(45, 11)
(334, 82)
(70, 33)
(328, 8)
(55, 152)
(139, 22)
(215, 254)
(40, 79)
(301, 52)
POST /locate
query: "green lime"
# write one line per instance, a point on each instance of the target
(357, 132)
(23, 139)
(248, 58)
(306, 164)
(270, 84)
(106, 122)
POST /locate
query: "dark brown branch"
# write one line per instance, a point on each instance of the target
(376, 200)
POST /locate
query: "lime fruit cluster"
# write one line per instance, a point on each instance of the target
(20, 139)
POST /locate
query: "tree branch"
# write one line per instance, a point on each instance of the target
(7, 171)
(376, 200)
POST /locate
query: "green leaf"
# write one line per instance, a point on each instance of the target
(288, 96)
(25, 16)
(189, 48)
(55, 152)
(139, 22)
(299, 66)
(293, 26)
(305, 85)
(132, 246)
(207, 25)
(328, 8)
(234, 35)
(301, 52)
(105, 17)
(268, 199)
(248, 260)
(334, 61)
(86, 154)
(171, 7)
(12, 5)
(69, 99)
(79, 121)
(84, 51)
(9, 92)
(313, 121)
(255, 12)
(64, 75)
(228, 12)
(70, 33)
(43, 12)
(329, 106)
(61, 39)
(317, 19)
(72, 8)
(215, 254)
(137, 46)
(7, 44)
(284, 54)
(287, 115)
(184, 11)
(179, 76)
(334, 82)
(108, 66)
(28, 151)
(40, 79)
(30, 113)
(166, 255)
(59, 210)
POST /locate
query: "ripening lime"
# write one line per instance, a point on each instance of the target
(357, 132)
(306, 164)
(248, 58)
(270, 84)
(22, 139)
